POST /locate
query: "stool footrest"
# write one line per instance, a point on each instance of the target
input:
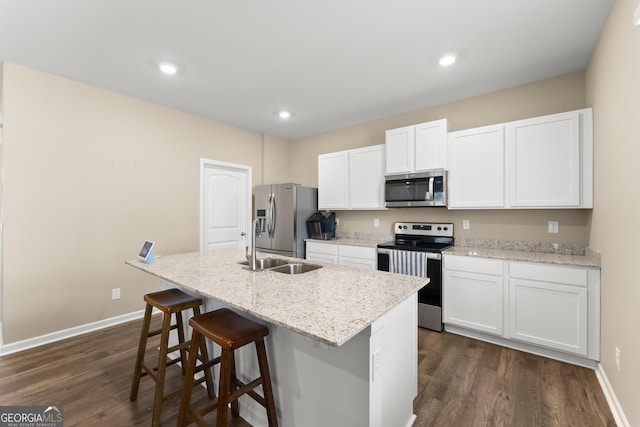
(248, 389)
(207, 364)
(178, 346)
(159, 331)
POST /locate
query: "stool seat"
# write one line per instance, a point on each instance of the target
(171, 302)
(230, 331)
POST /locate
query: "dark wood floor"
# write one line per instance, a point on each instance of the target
(462, 382)
(466, 382)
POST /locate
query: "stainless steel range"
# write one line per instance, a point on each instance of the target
(417, 251)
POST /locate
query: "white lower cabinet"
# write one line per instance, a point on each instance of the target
(548, 305)
(551, 308)
(357, 256)
(323, 252)
(353, 256)
(473, 293)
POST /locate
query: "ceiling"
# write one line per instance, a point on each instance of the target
(332, 63)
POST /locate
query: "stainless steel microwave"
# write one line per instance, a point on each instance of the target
(416, 189)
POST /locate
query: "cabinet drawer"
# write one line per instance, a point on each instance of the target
(367, 264)
(473, 264)
(549, 273)
(331, 259)
(357, 252)
(322, 248)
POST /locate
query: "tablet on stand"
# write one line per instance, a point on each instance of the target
(146, 253)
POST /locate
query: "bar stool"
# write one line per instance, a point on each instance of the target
(230, 331)
(169, 302)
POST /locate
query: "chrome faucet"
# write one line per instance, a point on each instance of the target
(257, 232)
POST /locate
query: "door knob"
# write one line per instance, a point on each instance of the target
(243, 234)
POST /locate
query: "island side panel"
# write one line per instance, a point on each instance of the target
(315, 385)
(394, 365)
(318, 385)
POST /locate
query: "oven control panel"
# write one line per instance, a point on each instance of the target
(424, 229)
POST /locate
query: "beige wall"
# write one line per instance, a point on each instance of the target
(614, 92)
(545, 97)
(276, 160)
(88, 176)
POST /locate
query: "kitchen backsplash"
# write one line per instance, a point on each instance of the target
(558, 248)
(364, 236)
(551, 248)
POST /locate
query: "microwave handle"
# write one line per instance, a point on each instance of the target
(431, 195)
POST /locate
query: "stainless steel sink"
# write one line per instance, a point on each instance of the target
(264, 263)
(281, 266)
(295, 268)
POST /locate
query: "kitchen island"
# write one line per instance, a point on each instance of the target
(342, 342)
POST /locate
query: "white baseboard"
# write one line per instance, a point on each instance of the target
(67, 333)
(614, 404)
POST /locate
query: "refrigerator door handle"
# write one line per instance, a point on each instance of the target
(274, 214)
(269, 213)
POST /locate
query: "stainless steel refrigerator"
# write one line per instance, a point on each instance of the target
(284, 208)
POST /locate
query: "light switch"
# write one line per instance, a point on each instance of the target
(466, 224)
(376, 222)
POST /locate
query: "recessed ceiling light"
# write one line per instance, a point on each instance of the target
(284, 114)
(446, 60)
(168, 68)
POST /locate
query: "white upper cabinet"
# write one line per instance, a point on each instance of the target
(476, 168)
(333, 180)
(431, 145)
(400, 149)
(550, 161)
(539, 163)
(417, 148)
(352, 179)
(366, 178)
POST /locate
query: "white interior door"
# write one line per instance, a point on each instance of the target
(225, 205)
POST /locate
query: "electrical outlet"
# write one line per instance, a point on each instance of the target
(618, 358)
(115, 294)
(337, 221)
(466, 224)
(552, 226)
(376, 222)
(376, 365)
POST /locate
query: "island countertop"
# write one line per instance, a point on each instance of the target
(331, 304)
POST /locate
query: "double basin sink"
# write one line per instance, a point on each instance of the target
(281, 266)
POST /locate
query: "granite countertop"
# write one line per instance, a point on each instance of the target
(349, 241)
(590, 259)
(331, 304)
(357, 239)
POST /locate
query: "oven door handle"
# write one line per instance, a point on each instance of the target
(430, 255)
